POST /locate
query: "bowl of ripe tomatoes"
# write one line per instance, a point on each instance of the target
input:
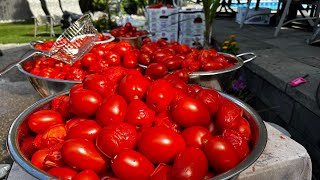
(136, 128)
(130, 33)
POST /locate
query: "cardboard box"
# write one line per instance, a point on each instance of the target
(191, 22)
(192, 41)
(260, 16)
(162, 19)
(169, 36)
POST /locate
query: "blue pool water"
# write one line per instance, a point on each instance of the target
(273, 5)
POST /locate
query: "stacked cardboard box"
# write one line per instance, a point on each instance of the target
(163, 22)
(191, 27)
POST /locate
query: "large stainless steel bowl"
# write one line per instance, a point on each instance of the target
(45, 86)
(16, 131)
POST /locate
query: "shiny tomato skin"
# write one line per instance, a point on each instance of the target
(159, 95)
(75, 74)
(113, 58)
(190, 112)
(41, 120)
(227, 116)
(130, 60)
(63, 172)
(131, 165)
(86, 129)
(144, 59)
(210, 98)
(196, 136)
(244, 129)
(88, 59)
(156, 70)
(113, 138)
(162, 172)
(82, 154)
(238, 142)
(84, 102)
(191, 163)
(53, 135)
(37, 159)
(164, 119)
(133, 86)
(111, 111)
(139, 114)
(160, 144)
(221, 154)
(99, 84)
(87, 174)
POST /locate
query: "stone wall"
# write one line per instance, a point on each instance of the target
(14, 10)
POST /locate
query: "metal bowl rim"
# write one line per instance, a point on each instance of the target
(250, 159)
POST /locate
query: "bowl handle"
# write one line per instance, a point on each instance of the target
(247, 54)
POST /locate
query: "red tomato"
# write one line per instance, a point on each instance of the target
(131, 165)
(49, 72)
(164, 119)
(191, 65)
(133, 86)
(61, 105)
(38, 158)
(99, 84)
(87, 174)
(238, 142)
(86, 129)
(84, 102)
(82, 154)
(88, 59)
(27, 147)
(116, 137)
(75, 74)
(130, 60)
(190, 112)
(210, 98)
(113, 58)
(221, 154)
(162, 172)
(159, 95)
(183, 74)
(196, 136)
(53, 135)
(227, 116)
(156, 70)
(160, 144)
(41, 120)
(211, 65)
(63, 172)
(244, 129)
(122, 47)
(111, 111)
(139, 115)
(191, 163)
(144, 59)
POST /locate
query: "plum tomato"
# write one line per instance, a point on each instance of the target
(191, 163)
(63, 172)
(159, 95)
(210, 98)
(139, 114)
(162, 172)
(38, 158)
(244, 129)
(61, 105)
(82, 154)
(99, 84)
(27, 147)
(130, 60)
(88, 59)
(133, 86)
(86, 129)
(221, 154)
(41, 120)
(87, 174)
(196, 136)
(75, 74)
(164, 119)
(156, 70)
(53, 135)
(227, 116)
(144, 59)
(113, 58)
(131, 165)
(111, 111)
(238, 142)
(84, 102)
(116, 137)
(160, 144)
(190, 112)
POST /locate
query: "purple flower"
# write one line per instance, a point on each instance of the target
(239, 84)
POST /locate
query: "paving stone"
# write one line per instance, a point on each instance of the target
(254, 82)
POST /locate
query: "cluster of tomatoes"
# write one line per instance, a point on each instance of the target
(120, 124)
(96, 60)
(160, 5)
(127, 31)
(175, 56)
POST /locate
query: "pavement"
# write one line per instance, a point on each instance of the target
(279, 60)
